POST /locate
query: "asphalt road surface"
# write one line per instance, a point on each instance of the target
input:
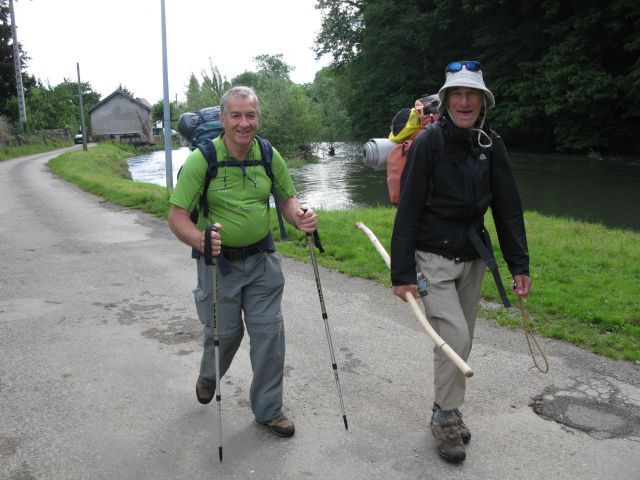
(100, 347)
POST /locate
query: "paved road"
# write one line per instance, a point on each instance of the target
(99, 352)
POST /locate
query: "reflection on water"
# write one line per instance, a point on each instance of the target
(596, 190)
(604, 191)
(151, 167)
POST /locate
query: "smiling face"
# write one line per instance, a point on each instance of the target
(240, 122)
(465, 105)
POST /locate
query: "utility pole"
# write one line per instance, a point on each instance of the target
(166, 122)
(84, 135)
(16, 59)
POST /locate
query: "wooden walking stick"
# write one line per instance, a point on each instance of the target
(420, 316)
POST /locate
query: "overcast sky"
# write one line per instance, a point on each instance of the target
(120, 41)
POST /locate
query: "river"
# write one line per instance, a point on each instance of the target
(595, 190)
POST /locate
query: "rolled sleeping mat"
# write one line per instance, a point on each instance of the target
(375, 153)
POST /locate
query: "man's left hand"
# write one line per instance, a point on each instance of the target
(521, 285)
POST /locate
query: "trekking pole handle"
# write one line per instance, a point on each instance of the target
(208, 248)
(316, 237)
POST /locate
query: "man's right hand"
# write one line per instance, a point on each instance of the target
(216, 243)
(401, 290)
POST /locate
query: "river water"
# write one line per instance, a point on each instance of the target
(596, 190)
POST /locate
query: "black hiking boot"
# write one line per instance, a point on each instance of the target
(205, 390)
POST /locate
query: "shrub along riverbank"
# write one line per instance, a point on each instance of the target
(586, 277)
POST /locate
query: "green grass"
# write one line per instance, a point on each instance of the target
(30, 149)
(586, 277)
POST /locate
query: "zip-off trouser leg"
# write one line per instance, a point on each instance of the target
(253, 290)
(451, 307)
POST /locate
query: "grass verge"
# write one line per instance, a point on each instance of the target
(30, 149)
(586, 277)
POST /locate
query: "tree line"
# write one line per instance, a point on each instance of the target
(565, 73)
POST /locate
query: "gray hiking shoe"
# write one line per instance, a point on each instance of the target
(465, 434)
(281, 426)
(447, 431)
(205, 390)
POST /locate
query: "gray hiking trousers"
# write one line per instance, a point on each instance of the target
(253, 290)
(451, 307)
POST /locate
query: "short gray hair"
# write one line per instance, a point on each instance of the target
(242, 92)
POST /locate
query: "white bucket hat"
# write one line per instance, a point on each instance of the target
(464, 78)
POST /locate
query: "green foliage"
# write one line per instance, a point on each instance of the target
(289, 118)
(158, 112)
(342, 29)
(335, 123)
(565, 74)
(287, 115)
(8, 90)
(103, 170)
(31, 147)
(58, 106)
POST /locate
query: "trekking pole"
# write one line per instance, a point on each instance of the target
(421, 317)
(315, 240)
(209, 260)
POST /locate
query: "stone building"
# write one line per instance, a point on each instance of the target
(122, 118)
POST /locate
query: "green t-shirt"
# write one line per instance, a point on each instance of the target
(238, 197)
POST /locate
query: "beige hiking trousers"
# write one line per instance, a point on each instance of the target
(451, 307)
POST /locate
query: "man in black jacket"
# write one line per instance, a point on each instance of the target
(450, 182)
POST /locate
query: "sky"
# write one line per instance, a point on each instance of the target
(119, 42)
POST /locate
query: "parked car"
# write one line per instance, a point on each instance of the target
(159, 131)
(77, 139)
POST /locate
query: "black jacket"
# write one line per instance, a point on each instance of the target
(434, 214)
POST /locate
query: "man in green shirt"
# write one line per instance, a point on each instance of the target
(251, 283)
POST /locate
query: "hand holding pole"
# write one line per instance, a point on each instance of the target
(420, 316)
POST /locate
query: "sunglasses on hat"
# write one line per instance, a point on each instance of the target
(471, 66)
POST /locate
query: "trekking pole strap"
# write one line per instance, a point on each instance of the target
(486, 252)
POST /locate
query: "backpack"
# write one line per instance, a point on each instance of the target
(200, 126)
(397, 160)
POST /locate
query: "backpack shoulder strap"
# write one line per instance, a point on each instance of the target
(208, 150)
(266, 150)
(436, 142)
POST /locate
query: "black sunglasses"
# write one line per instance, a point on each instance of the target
(471, 66)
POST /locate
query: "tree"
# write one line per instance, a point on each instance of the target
(566, 74)
(157, 113)
(194, 95)
(213, 86)
(8, 92)
(125, 90)
(273, 66)
(58, 106)
(335, 122)
(342, 30)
